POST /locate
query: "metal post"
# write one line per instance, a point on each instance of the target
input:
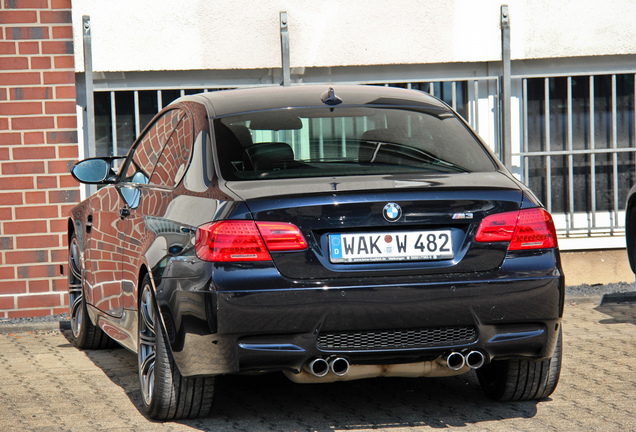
(89, 126)
(506, 123)
(615, 185)
(526, 158)
(284, 47)
(548, 144)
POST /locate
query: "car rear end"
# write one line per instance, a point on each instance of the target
(372, 239)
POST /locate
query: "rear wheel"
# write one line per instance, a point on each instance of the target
(630, 235)
(519, 380)
(166, 394)
(85, 334)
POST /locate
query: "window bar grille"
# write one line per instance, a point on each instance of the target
(294, 141)
(526, 158)
(343, 139)
(570, 222)
(159, 101)
(614, 223)
(454, 95)
(431, 88)
(548, 158)
(476, 105)
(182, 93)
(137, 125)
(113, 123)
(592, 157)
(582, 152)
(321, 140)
(495, 94)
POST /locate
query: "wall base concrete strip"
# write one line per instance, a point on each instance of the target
(596, 267)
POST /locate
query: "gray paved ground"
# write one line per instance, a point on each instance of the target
(48, 385)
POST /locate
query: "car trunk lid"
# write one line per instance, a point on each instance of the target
(439, 215)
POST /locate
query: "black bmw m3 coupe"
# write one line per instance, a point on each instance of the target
(329, 233)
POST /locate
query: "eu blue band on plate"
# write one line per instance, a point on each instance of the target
(335, 243)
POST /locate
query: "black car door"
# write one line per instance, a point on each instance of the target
(149, 235)
(115, 210)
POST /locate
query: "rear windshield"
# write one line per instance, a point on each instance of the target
(342, 141)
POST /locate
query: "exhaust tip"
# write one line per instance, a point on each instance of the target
(339, 366)
(475, 359)
(455, 361)
(319, 367)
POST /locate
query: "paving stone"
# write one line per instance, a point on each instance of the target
(49, 385)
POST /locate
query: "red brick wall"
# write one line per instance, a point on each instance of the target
(38, 145)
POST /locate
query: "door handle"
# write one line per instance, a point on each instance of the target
(124, 212)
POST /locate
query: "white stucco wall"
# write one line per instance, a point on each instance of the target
(147, 35)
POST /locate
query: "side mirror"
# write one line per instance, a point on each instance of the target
(95, 170)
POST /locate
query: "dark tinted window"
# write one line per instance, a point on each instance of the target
(175, 155)
(345, 141)
(147, 151)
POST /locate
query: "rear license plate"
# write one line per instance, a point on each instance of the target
(391, 246)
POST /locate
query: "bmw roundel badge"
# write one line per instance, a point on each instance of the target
(392, 212)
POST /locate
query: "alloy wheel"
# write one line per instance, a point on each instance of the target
(147, 344)
(75, 296)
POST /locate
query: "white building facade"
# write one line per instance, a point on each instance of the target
(573, 74)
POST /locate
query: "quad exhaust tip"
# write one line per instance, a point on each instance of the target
(339, 366)
(319, 367)
(475, 359)
(455, 361)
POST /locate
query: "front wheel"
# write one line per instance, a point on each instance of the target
(521, 380)
(166, 394)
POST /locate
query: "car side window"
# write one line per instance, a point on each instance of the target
(145, 155)
(175, 156)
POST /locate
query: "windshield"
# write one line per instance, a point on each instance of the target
(341, 141)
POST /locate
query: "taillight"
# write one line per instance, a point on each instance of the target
(524, 229)
(241, 240)
(230, 241)
(535, 230)
(281, 236)
(498, 227)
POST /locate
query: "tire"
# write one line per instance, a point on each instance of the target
(85, 334)
(630, 235)
(522, 380)
(166, 395)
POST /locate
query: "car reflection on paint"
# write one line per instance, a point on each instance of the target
(327, 233)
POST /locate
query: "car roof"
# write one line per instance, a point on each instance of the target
(225, 102)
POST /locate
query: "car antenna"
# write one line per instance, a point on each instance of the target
(329, 97)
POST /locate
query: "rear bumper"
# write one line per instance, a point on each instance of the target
(515, 314)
